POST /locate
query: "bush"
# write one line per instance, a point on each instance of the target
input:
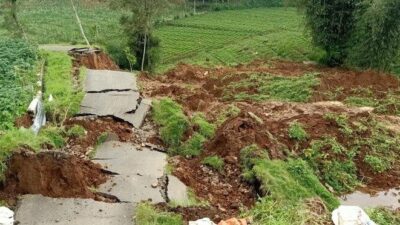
(214, 162)
(377, 164)
(383, 216)
(54, 135)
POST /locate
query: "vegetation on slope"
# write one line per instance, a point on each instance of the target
(17, 78)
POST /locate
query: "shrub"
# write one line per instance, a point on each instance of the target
(297, 132)
(214, 162)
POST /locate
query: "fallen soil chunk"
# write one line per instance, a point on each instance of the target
(52, 174)
(92, 59)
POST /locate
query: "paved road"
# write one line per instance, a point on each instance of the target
(138, 172)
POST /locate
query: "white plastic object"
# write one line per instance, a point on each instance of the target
(6, 216)
(351, 215)
(204, 221)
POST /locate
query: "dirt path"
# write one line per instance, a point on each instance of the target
(137, 173)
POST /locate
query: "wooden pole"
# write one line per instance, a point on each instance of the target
(80, 24)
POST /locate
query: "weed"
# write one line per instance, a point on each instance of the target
(204, 127)
(148, 215)
(191, 201)
(297, 132)
(169, 115)
(76, 131)
(214, 162)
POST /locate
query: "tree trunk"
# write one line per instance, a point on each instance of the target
(144, 51)
(80, 24)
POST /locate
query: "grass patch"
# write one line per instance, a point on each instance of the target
(286, 187)
(231, 111)
(215, 162)
(76, 131)
(342, 121)
(192, 147)
(59, 84)
(271, 87)
(173, 122)
(389, 104)
(383, 216)
(148, 215)
(297, 132)
(333, 163)
(204, 127)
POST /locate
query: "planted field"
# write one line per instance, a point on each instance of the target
(236, 36)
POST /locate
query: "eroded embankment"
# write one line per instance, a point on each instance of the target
(53, 174)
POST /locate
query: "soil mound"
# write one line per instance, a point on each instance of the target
(52, 174)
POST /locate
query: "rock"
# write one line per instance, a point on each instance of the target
(231, 159)
(154, 185)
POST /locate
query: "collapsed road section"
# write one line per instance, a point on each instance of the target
(114, 93)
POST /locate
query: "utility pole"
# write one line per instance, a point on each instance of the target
(80, 24)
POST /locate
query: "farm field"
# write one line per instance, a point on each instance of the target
(242, 119)
(213, 38)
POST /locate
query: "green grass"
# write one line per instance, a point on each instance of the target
(286, 187)
(384, 216)
(76, 131)
(272, 87)
(204, 127)
(148, 215)
(297, 132)
(173, 122)
(215, 162)
(192, 147)
(59, 84)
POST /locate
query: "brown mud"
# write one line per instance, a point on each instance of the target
(53, 174)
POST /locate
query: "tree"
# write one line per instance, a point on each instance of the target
(376, 41)
(8, 9)
(331, 24)
(139, 28)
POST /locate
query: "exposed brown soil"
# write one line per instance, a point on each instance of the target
(24, 121)
(201, 89)
(95, 127)
(92, 59)
(53, 174)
